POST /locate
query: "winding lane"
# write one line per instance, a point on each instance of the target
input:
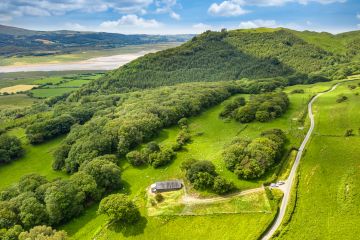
(289, 182)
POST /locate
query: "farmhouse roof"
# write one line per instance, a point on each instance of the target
(175, 184)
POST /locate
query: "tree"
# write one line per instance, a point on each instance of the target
(161, 158)
(11, 233)
(250, 159)
(263, 116)
(119, 209)
(222, 186)
(63, 201)
(32, 213)
(30, 182)
(10, 148)
(87, 184)
(203, 180)
(105, 173)
(43, 233)
(137, 158)
(200, 166)
(8, 217)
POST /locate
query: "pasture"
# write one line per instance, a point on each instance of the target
(328, 202)
(16, 101)
(209, 135)
(37, 159)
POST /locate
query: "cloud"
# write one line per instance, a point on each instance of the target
(268, 3)
(258, 23)
(230, 8)
(167, 6)
(76, 27)
(227, 9)
(358, 16)
(175, 16)
(131, 20)
(18, 8)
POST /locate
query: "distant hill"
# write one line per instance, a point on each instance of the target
(232, 55)
(20, 42)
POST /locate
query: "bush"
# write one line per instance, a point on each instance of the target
(183, 123)
(159, 197)
(341, 98)
(349, 133)
(297, 91)
(183, 137)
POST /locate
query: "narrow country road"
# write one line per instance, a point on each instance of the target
(289, 182)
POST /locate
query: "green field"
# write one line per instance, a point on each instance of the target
(16, 101)
(328, 203)
(209, 135)
(37, 159)
(50, 92)
(16, 78)
(59, 85)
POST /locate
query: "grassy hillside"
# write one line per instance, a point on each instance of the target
(327, 204)
(346, 44)
(230, 55)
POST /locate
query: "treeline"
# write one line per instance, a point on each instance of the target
(262, 107)
(35, 201)
(65, 114)
(10, 148)
(250, 159)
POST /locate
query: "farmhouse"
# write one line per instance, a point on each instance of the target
(166, 186)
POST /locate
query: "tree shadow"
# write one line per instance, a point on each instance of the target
(129, 230)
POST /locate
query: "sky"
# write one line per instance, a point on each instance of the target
(180, 16)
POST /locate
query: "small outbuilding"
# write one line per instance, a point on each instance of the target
(166, 186)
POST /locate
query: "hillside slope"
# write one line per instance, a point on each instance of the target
(20, 42)
(231, 55)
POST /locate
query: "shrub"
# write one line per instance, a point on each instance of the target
(341, 98)
(349, 133)
(183, 137)
(159, 197)
(297, 91)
